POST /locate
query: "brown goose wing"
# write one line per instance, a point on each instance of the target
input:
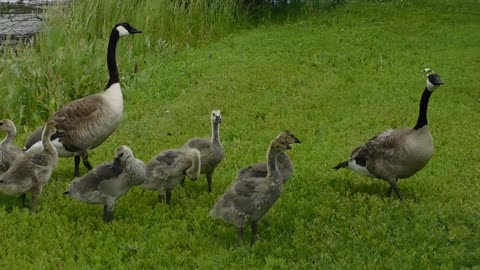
(381, 146)
(76, 111)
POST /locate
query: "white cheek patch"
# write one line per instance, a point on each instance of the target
(122, 31)
(430, 86)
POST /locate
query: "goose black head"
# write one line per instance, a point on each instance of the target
(433, 80)
(125, 29)
(216, 117)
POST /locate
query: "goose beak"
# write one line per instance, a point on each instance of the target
(435, 79)
(135, 31)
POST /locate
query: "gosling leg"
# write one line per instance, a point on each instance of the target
(254, 233)
(169, 196)
(239, 235)
(107, 214)
(23, 198)
(209, 181)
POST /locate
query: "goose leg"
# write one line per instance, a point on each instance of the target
(209, 181)
(394, 186)
(23, 197)
(76, 163)
(169, 196)
(182, 182)
(254, 232)
(107, 214)
(85, 162)
(389, 192)
(239, 235)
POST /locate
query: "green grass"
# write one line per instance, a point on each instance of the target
(335, 80)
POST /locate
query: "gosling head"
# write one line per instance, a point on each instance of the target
(288, 137)
(279, 145)
(433, 80)
(8, 126)
(216, 117)
(122, 154)
(125, 29)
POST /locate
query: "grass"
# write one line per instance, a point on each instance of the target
(335, 80)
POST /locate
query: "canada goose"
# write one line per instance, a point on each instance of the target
(90, 120)
(31, 172)
(8, 151)
(169, 168)
(397, 153)
(248, 199)
(284, 163)
(107, 182)
(211, 150)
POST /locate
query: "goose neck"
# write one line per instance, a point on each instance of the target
(422, 115)
(111, 59)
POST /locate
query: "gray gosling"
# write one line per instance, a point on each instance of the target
(92, 119)
(109, 181)
(169, 169)
(284, 163)
(247, 200)
(397, 153)
(211, 150)
(8, 151)
(31, 172)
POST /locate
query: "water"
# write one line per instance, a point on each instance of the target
(20, 20)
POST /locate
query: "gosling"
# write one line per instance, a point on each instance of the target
(211, 150)
(30, 172)
(284, 163)
(8, 151)
(109, 181)
(249, 199)
(169, 168)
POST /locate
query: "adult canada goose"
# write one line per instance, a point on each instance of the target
(30, 172)
(211, 150)
(284, 163)
(89, 121)
(8, 151)
(397, 153)
(248, 199)
(169, 168)
(107, 182)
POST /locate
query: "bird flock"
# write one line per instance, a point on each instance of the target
(85, 123)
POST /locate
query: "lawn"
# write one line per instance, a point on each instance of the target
(334, 79)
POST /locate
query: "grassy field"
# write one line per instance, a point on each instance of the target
(335, 80)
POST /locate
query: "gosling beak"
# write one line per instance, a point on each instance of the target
(117, 163)
(297, 140)
(218, 119)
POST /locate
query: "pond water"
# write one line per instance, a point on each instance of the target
(20, 20)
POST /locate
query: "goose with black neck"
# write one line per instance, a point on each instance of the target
(90, 120)
(397, 153)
